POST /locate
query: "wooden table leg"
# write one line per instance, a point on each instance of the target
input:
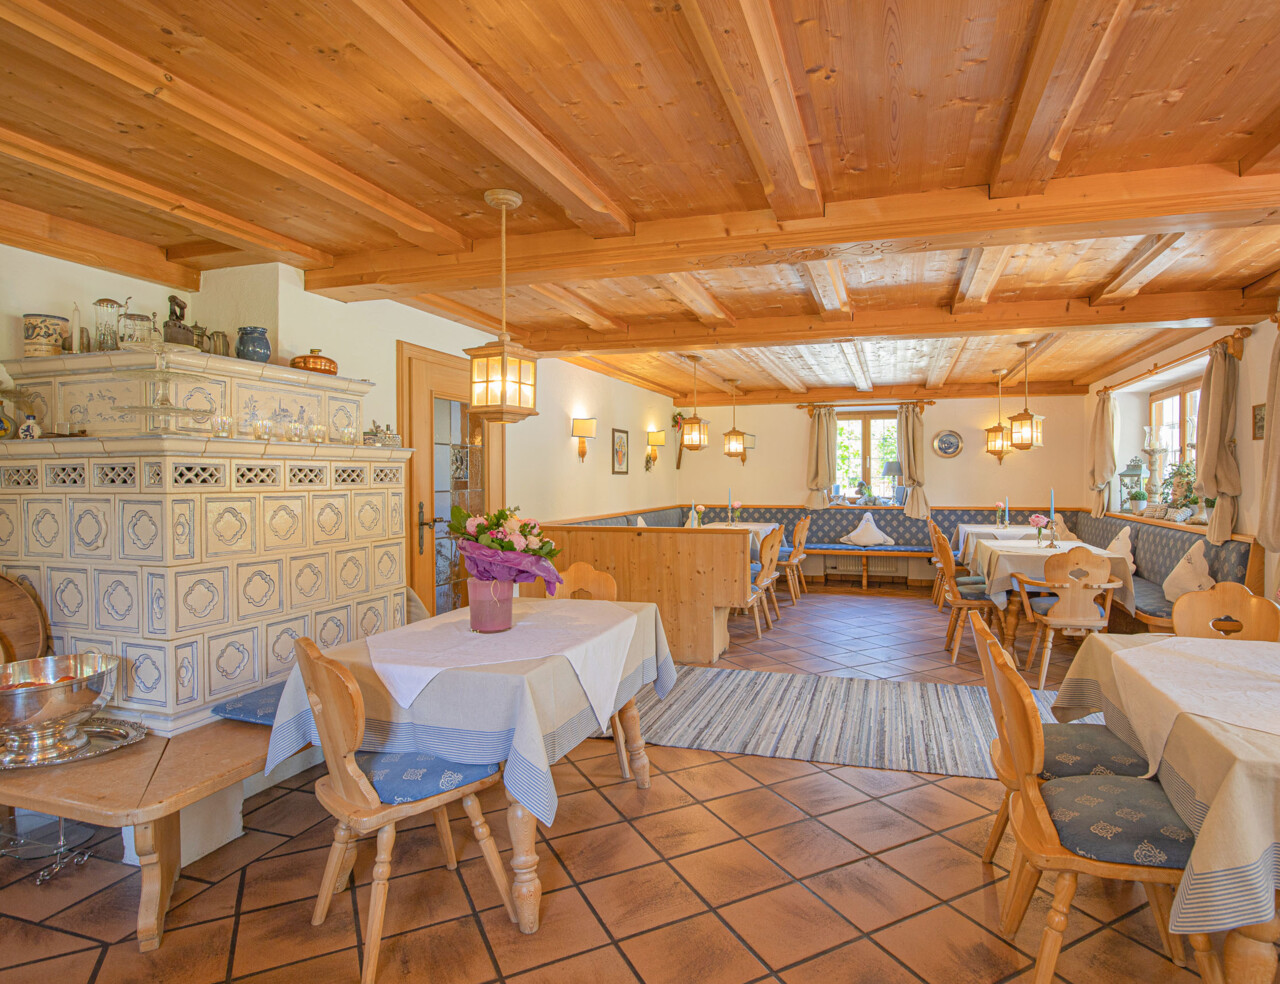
(526, 889)
(630, 717)
(1249, 954)
(159, 847)
(1011, 626)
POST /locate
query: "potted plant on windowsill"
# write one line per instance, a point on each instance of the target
(500, 551)
(1137, 501)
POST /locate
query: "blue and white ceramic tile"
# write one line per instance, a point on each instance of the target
(259, 589)
(201, 598)
(30, 576)
(118, 601)
(45, 527)
(329, 517)
(233, 661)
(369, 515)
(68, 599)
(255, 401)
(94, 404)
(230, 525)
(143, 670)
(85, 643)
(280, 638)
(141, 530)
(90, 527)
(395, 515)
(308, 576)
(185, 531)
(388, 564)
(157, 595)
(10, 528)
(343, 412)
(350, 572)
(187, 668)
(333, 626)
(397, 608)
(371, 617)
(208, 396)
(284, 521)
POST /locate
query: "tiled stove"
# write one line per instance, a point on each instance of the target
(199, 560)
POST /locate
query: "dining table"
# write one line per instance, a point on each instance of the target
(525, 697)
(966, 536)
(758, 532)
(1206, 714)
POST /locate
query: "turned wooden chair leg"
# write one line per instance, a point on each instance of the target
(343, 839)
(1161, 899)
(377, 903)
(952, 626)
(1044, 659)
(755, 613)
(763, 605)
(620, 746)
(958, 637)
(490, 850)
(773, 594)
(1207, 961)
(1024, 877)
(1055, 924)
(997, 830)
(445, 833)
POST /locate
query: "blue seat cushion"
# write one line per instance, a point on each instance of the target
(1118, 819)
(255, 707)
(1088, 749)
(405, 777)
(756, 568)
(1148, 598)
(973, 592)
(1040, 604)
(784, 553)
(971, 579)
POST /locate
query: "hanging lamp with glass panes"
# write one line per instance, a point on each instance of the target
(1026, 428)
(693, 433)
(999, 437)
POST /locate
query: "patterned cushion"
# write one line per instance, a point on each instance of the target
(1088, 749)
(973, 592)
(403, 778)
(1041, 604)
(1159, 549)
(1149, 598)
(971, 579)
(607, 521)
(660, 517)
(1118, 819)
(256, 707)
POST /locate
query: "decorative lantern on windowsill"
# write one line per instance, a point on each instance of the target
(504, 375)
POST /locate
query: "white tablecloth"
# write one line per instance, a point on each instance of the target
(592, 635)
(527, 714)
(999, 560)
(1206, 711)
(967, 534)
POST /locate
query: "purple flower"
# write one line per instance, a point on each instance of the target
(490, 564)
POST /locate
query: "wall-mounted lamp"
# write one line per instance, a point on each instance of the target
(583, 428)
(657, 439)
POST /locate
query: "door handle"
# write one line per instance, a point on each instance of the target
(422, 528)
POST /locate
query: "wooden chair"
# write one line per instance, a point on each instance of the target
(24, 625)
(1077, 578)
(1141, 830)
(963, 576)
(1227, 611)
(791, 563)
(350, 793)
(961, 597)
(763, 585)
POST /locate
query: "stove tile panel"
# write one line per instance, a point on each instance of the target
(284, 521)
(118, 601)
(233, 661)
(230, 525)
(90, 527)
(44, 526)
(280, 638)
(259, 589)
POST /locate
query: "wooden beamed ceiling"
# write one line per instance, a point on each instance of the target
(819, 199)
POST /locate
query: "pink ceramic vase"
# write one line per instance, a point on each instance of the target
(490, 603)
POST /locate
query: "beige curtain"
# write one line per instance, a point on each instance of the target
(1102, 452)
(1269, 519)
(822, 457)
(911, 457)
(1217, 474)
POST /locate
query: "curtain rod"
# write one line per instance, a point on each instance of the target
(1235, 347)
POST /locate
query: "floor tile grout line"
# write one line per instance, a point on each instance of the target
(235, 926)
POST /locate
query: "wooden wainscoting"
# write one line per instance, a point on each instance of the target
(693, 576)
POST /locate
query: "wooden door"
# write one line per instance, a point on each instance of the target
(456, 460)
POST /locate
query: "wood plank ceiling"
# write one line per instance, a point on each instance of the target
(828, 200)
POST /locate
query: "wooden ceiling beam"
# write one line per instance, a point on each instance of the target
(1151, 257)
(1205, 309)
(856, 359)
(1129, 358)
(944, 361)
(1039, 349)
(740, 42)
(689, 291)
(845, 394)
(1265, 286)
(1177, 199)
(706, 377)
(622, 375)
(197, 251)
(982, 268)
(1264, 156)
(447, 307)
(66, 239)
(200, 219)
(578, 307)
(1072, 42)
(233, 128)
(829, 289)
(769, 364)
(432, 66)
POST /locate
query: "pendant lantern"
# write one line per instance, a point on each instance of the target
(735, 441)
(693, 435)
(999, 438)
(1027, 428)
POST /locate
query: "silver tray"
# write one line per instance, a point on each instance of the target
(105, 735)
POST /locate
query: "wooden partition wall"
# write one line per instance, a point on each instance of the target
(693, 576)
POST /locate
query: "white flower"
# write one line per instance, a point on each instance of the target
(533, 542)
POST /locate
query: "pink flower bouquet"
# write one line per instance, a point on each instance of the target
(1039, 522)
(503, 547)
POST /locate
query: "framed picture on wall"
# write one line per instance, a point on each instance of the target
(1259, 420)
(621, 452)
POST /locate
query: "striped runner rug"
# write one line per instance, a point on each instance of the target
(880, 724)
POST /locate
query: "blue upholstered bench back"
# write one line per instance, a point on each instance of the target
(829, 525)
(1157, 549)
(671, 516)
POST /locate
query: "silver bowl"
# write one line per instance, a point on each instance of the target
(41, 724)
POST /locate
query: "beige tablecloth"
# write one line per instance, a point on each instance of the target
(1223, 777)
(999, 560)
(967, 535)
(758, 532)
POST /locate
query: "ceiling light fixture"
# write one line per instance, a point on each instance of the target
(999, 439)
(693, 433)
(1027, 428)
(735, 441)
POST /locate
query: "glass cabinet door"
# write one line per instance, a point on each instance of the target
(457, 480)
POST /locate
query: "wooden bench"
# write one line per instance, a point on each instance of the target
(143, 786)
(885, 551)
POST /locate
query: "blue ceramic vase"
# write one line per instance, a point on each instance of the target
(252, 344)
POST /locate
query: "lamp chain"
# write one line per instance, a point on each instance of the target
(504, 270)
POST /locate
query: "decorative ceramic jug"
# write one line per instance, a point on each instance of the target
(252, 344)
(29, 430)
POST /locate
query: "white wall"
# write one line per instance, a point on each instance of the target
(545, 478)
(34, 284)
(775, 474)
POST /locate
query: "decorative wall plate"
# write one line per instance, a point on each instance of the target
(947, 444)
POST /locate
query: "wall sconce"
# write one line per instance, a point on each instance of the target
(657, 439)
(583, 428)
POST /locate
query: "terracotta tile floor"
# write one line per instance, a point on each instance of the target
(731, 869)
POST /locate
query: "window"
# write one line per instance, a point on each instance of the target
(1173, 420)
(865, 443)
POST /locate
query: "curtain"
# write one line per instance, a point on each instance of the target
(822, 457)
(1217, 474)
(1102, 452)
(911, 457)
(1269, 520)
